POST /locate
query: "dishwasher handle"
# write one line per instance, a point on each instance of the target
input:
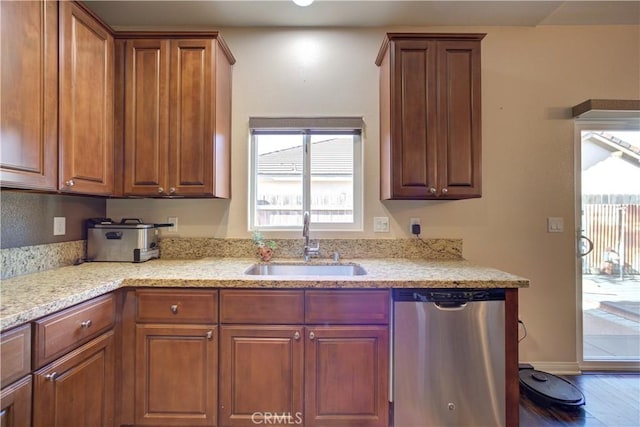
(450, 305)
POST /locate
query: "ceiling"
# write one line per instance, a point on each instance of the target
(128, 14)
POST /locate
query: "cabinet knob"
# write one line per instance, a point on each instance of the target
(70, 183)
(210, 335)
(172, 190)
(160, 190)
(174, 309)
(432, 190)
(445, 191)
(312, 336)
(86, 324)
(51, 377)
(296, 336)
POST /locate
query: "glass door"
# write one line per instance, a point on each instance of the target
(609, 245)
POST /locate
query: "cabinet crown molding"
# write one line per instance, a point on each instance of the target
(434, 36)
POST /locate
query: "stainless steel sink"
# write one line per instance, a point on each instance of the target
(306, 270)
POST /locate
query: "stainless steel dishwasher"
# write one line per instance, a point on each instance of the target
(448, 358)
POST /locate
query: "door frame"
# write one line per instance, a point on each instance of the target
(622, 123)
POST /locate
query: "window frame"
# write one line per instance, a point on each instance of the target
(308, 127)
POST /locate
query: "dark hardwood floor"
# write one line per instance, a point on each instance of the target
(612, 400)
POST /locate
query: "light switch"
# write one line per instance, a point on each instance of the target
(555, 224)
(380, 224)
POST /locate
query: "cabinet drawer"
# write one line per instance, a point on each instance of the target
(261, 306)
(61, 332)
(347, 307)
(169, 306)
(15, 354)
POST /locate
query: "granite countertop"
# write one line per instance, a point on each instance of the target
(28, 297)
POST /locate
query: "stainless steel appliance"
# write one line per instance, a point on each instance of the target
(448, 358)
(129, 240)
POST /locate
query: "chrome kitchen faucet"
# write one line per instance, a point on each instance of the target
(308, 250)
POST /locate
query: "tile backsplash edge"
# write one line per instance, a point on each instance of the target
(194, 248)
(37, 258)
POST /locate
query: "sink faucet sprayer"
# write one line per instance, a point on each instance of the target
(308, 250)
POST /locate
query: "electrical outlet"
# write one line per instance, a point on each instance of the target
(172, 220)
(380, 224)
(59, 226)
(413, 221)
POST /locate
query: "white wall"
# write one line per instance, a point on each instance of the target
(531, 78)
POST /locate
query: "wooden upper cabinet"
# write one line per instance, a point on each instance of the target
(146, 120)
(29, 94)
(177, 116)
(86, 102)
(430, 116)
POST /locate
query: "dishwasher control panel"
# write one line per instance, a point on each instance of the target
(447, 295)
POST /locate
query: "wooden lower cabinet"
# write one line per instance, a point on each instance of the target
(311, 376)
(78, 389)
(15, 404)
(346, 376)
(261, 374)
(176, 375)
(329, 366)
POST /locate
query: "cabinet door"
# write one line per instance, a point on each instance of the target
(29, 94)
(459, 126)
(78, 389)
(176, 375)
(15, 354)
(191, 134)
(146, 117)
(347, 376)
(86, 103)
(15, 404)
(414, 118)
(261, 371)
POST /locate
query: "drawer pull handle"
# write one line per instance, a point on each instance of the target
(312, 336)
(51, 377)
(86, 324)
(174, 309)
(210, 335)
(296, 336)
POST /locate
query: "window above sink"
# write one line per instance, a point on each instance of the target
(306, 164)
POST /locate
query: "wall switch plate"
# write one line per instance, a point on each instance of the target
(411, 222)
(172, 220)
(555, 224)
(380, 224)
(59, 226)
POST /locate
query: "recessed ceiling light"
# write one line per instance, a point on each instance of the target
(303, 3)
